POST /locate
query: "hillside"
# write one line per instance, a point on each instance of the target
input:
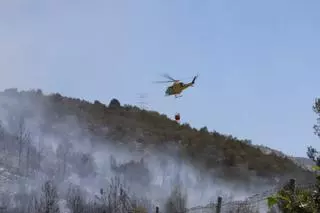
(303, 162)
(229, 157)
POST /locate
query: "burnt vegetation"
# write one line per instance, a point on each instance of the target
(229, 157)
(132, 171)
(112, 199)
(234, 158)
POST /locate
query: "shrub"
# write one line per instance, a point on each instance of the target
(177, 201)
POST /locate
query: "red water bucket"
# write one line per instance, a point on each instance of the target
(177, 117)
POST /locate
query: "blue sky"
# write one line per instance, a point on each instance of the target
(257, 60)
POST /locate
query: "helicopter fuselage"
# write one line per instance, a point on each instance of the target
(177, 88)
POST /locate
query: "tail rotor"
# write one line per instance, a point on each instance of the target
(194, 79)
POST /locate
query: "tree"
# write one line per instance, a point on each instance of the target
(312, 152)
(177, 201)
(62, 153)
(49, 199)
(304, 201)
(2, 138)
(114, 104)
(28, 155)
(247, 141)
(23, 138)
(316, 109)
(75, 200)
(204, 129)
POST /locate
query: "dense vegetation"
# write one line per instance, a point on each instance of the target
(234, 158)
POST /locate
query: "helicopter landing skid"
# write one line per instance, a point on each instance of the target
(178, 96)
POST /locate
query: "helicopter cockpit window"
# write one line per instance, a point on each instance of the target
(181, 84)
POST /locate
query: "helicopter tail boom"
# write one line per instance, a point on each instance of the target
(194, 79)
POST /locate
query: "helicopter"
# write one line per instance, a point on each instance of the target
(177, 87)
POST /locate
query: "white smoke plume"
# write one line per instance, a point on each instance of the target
(37, 146)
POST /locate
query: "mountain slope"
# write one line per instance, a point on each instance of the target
(227, 156)
(306, 163)
(303, 162)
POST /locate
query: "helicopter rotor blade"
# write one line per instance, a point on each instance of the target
(169, 77)
(163, 81)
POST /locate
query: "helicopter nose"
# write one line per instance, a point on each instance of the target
(168, 91)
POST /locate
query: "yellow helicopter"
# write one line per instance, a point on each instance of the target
(177, 87)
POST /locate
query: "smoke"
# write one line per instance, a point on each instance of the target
(38, 144)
